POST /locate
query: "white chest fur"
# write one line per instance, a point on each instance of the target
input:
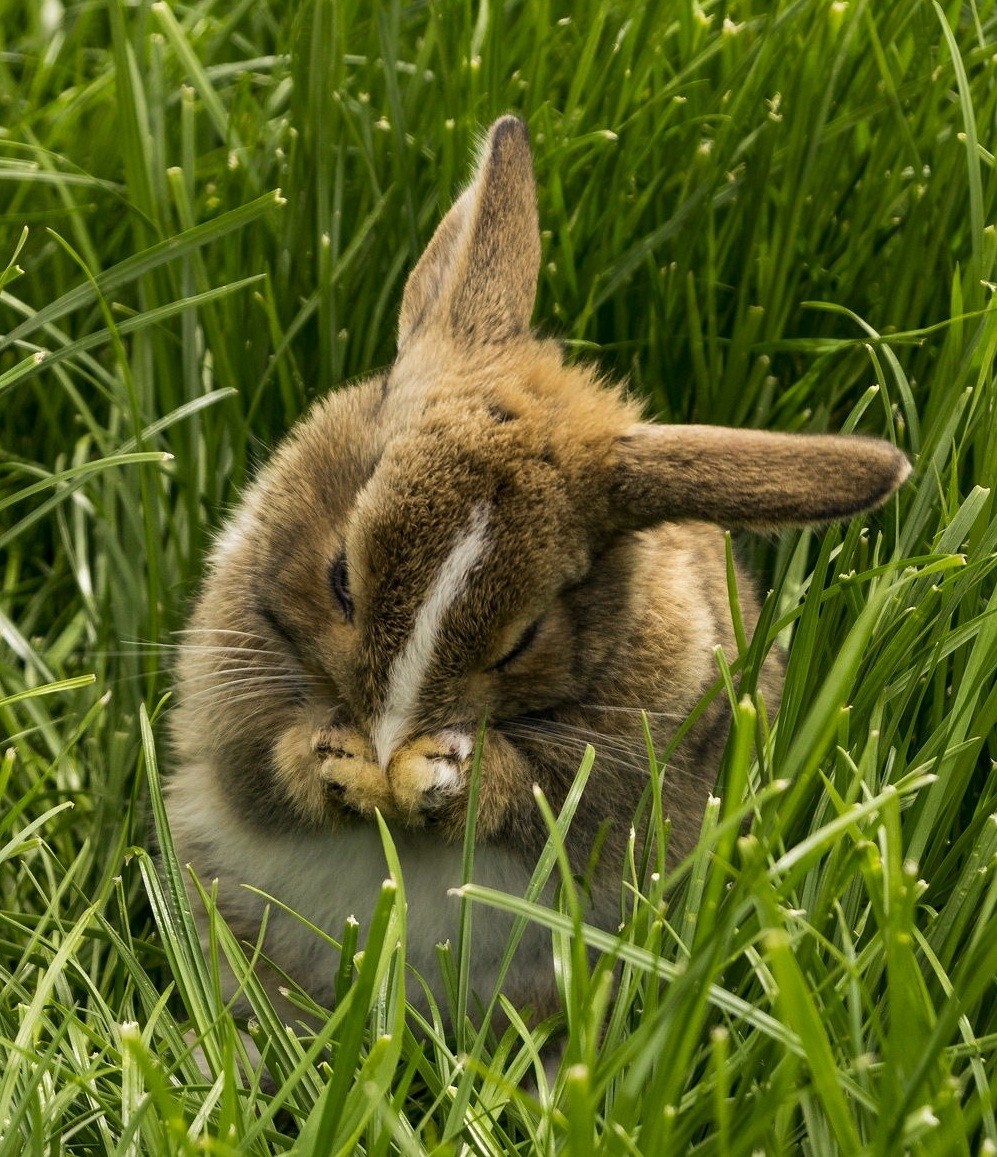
(328, 877)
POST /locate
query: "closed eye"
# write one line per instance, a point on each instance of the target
(339, 581)
(523, 643)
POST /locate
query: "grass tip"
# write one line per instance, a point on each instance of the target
(747, 845)
(776, 939)
(924, 1118)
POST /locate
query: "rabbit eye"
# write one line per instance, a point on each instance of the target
(525, 641)
(339, 580)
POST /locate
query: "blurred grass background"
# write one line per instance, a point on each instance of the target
(775, 214)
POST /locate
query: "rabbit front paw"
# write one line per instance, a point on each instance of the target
(429, 777)
(349, 771)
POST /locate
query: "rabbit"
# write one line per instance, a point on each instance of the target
(481, 531)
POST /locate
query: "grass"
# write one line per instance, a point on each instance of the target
(777, 214)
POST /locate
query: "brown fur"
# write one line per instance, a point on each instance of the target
(595, 533)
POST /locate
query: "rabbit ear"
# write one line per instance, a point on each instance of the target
(478, 275)
(746, 478)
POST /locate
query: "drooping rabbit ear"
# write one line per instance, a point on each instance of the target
(478, 275)
(747, 478)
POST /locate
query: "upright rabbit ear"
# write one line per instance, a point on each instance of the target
(478, 276)
(746, 477)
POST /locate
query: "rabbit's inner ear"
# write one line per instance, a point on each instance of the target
(749, 478)
(477, 278)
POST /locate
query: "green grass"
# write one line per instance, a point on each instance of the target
(776, 214)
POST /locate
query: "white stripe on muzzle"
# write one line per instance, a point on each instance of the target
(408, 671)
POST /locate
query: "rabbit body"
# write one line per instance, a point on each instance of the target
(482, 531)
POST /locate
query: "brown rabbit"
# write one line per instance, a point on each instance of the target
(483, 529)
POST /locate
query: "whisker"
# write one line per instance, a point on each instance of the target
(676, 715)
(235, 677)
(585, 735)
(259, 693)
(140, 645)
(190, 693)
(254, 669)
(254, 686)
(243, 674)
(570, 746)
(243, 663)
(221, 631)
(575, 729)
(602, 756)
